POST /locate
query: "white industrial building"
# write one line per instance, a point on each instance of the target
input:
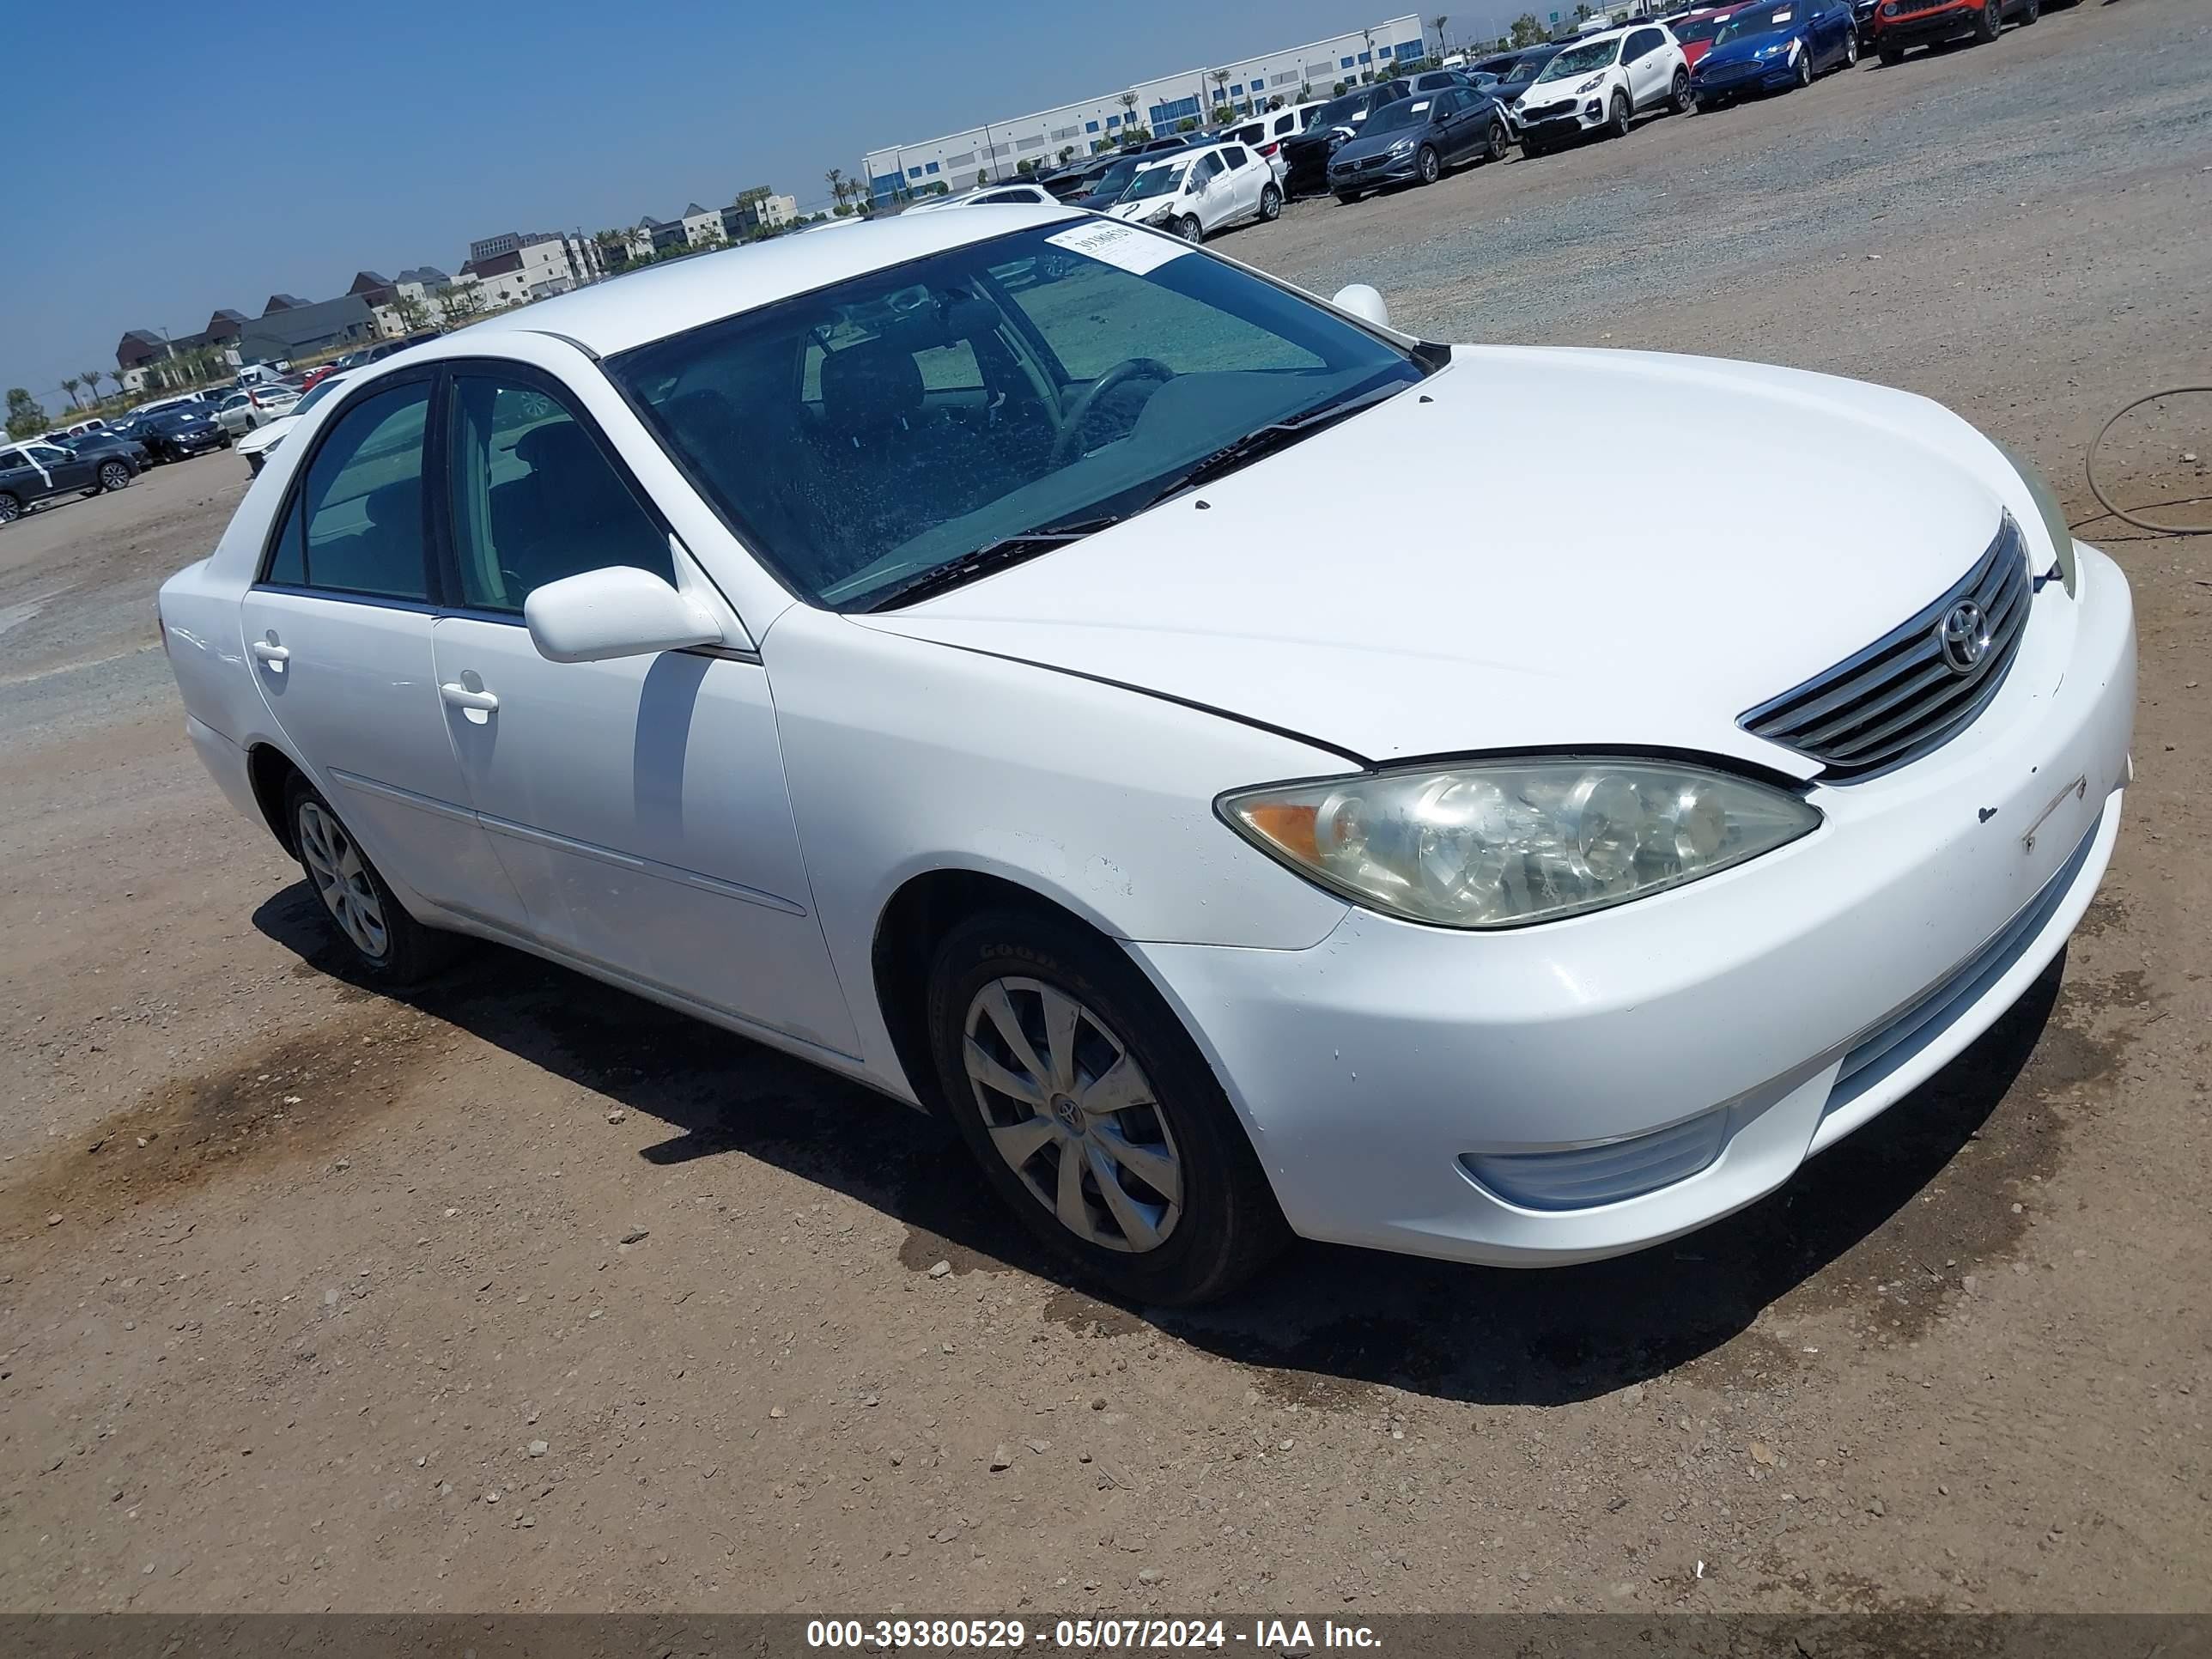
(996, 149)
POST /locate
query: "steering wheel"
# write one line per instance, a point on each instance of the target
(1129, 368)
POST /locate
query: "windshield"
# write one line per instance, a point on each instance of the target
(1581, 60)
(1694, 30)
(1393, 118)
(894, 424)
(1115, 179)
(1759, 19)
(1341, 112)
(1162, 180)
(321, 389)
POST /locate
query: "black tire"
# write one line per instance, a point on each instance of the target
(114, 476)
(1428, 166)
(1228, 1226)
(2030, 12)
(1988, 22)
(1533, 147)
(411, 952)
(11, 508)
(1851, 49)
(1805, 67)
(1271, 205)
(1190, 230)
(1617, 116)
(1680, 101)
(1349, 198)
(1495, 142)
(1891, 56)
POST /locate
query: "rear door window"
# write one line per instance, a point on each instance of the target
(354, 523)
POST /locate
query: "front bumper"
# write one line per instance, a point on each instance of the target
(1733, 80)
(1398, 1080)
(1587, 114)
(1305, 171)
(1927, 26)
(1385, 170)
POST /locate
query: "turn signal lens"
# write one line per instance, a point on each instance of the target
(1501, 844)
(2046, 505)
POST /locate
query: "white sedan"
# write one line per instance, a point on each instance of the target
(258, 446)
(932, 651)
(251, 408)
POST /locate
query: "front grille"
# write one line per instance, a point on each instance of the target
(1912, 8)
(1902, 695)
(1370, 163)
(1546, 111)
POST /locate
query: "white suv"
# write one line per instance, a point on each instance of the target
(1598, 84)
(1192, 193)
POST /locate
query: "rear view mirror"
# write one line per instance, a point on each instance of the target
(1362, 302)
(618, 611)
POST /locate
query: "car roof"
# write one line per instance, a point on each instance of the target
(662, 299)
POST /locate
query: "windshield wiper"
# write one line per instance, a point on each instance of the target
(1005, 551)
(1266, 440)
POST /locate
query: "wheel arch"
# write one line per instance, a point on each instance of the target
(913, 921)
(270, 771)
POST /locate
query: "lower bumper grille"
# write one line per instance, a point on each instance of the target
(1921, 684)
(1584, 1176)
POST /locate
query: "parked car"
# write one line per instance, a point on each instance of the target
(1516, 71)
(254, 406)
(1694, 31)
(1902, 24)
(174, 435)
(1108, 188)
(1266, 135)
(1194, 194)
(1077, 178)
(1416, 139)
(258, 446)
(1337, 122)
(990, 196)
(1597, 84)
(98, 446)
(34, 472)
(1774, 46)
(1064, 785)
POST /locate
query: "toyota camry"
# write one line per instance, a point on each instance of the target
(929, 651)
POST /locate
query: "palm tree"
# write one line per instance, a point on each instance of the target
(1220, 84)
(68, 387)
(835, 179)
(1440, 20)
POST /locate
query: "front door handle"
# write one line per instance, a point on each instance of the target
(461, 697)
(270, 652)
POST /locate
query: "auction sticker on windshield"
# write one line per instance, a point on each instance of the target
(1134, 250)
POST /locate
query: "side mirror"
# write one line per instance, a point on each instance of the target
(1361, 300)
(618, 611)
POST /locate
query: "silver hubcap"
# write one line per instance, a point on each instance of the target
(1190, 230)
(7, 508)
(1072, 1113)
(114, 477)
(342, 878)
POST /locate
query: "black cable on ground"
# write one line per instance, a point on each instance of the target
(2098, 489)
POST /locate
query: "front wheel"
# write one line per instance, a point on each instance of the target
(1093, 1113)
(1427, 168)
(1271, 205)
(1349, 198)
(1988, 22)
(114, 476)
(1891, 56)
(1495, 142)
(1616, 125)
(1679, 99)
(384, 942)
(2030, 12)
(1850, 47)
(1189, 229)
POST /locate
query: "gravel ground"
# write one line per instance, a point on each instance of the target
(522, 1294)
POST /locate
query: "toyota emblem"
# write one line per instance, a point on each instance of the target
(1963, 636)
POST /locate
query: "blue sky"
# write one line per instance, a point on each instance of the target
(177, 157)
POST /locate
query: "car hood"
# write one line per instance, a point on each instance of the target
(1144, 206)
(1376, 144)
(1318, 135)
(267, 435)
(1748, 47)
(1507, 555)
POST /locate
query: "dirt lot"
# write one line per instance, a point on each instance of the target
(522, 1294)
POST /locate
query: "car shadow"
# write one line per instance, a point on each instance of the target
(1327, 1322)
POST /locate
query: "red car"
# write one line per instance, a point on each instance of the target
(1901, 23)
(1696, 29)
(308, 380)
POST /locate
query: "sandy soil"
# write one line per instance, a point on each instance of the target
(523, 1294)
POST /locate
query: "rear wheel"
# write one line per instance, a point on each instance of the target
(1805, 67)
(114, 475)
(1427, 168)
(1616, 125)
(384, 941)
(1850, 47)
(1092, 1112)
(1271, 204)
(1680, 100)
(2030, 12)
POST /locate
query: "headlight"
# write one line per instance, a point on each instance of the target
(1401, 146)
(1591, 85)
(1890, 8)
(1161, 214)
(1502, 843)
(2046, 503)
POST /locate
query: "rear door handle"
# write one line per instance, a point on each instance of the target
(270, 652)
(461, 697)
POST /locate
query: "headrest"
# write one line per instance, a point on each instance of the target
(870, 387)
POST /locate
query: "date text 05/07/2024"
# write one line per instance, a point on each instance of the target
(1096, 1635)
